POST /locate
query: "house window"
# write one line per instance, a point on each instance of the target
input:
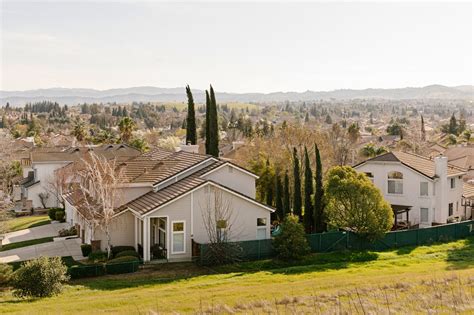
(395, 183)
(424, 189)
(162, 233)
(450, 209)
(221, 227)
(453, 183)
(178, 237)
(261, 228)
(424, 215)
(370, 176)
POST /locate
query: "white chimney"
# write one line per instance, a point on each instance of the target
(192, 148)
(441, 196)
(441, 166)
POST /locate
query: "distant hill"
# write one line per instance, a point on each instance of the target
(150, 94)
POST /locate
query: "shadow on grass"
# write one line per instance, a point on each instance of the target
(463, 257)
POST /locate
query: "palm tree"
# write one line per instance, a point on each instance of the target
(126, 127)
(370, 150)
(79, 130)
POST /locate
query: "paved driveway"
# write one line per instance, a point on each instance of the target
(71, 247)
(34, 233)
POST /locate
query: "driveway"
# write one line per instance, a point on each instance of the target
(34, 233)
(71, 247)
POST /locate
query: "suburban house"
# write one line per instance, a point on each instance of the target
(167, 200)
(422, 191)
(41, 163)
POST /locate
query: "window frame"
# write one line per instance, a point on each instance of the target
(427, 189)
(450, 209)
(428, 215)
(261, 228)
(396, 181)
(178, 232)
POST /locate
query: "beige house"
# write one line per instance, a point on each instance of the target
(167, 200)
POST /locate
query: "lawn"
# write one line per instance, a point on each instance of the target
(438, 277)
(26, 243)
(26, 222)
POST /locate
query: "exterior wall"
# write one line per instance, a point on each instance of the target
(32, 193)
(234, 179)
(411, 189)
(44, 172)
(191, 208)
(455, 196)
(122, 231)
(130, 193)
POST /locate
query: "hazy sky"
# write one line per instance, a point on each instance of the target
(247, 47)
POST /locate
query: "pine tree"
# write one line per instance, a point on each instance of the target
(423, 132)
(279, 197)
(319, 218)
(297, 185)
(191, 135)
(286, 195)
(269, 184)
(213, 126)
(308, 191)
(208, 111)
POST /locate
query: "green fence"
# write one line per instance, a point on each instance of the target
(333, 241)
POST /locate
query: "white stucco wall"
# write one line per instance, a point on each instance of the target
(44, 172)
(235, 179)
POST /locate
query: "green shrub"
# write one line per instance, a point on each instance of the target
(60, 215)
(118, 249)
(291, 243)
(6, 273)
(98, 256)
(123, 259)
(84, 271)
(67, 232)
(86, 249)
(52, 213)
(40, 277)
(127, 253)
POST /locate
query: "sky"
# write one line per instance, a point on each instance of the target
(238, 47)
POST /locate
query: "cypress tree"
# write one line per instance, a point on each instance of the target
(297, 185)
(191, 135)
(308, 191)
(213, 126)
(286, 195)
(208, 111)
(279, 197)
(319, 219)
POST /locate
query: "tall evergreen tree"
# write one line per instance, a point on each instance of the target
(208, 111)
(286, 195)
(279, 197)
(213, 126)
(269, 184)
(319, 217)
(308, 192)
(297, 185)
(191, 135)
(423, 132)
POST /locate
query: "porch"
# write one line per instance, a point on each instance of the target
(152, 238)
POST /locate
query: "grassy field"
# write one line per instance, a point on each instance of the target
(27, 222)
(26, 243)
(427, 278)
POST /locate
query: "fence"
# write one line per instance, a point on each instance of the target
(338, 240)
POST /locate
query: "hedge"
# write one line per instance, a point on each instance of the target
(127, 253)
(118, 249)
(122, 267)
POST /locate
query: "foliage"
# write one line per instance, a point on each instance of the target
(297, 206)
(86, 249)
(279, 198)
(169, 143)
(291, 243)
(213, 140)
(97, 256)
(41, 277)
(79, 130)
(370, 150)
(191, 135)
(354, 203)
(6, 274)
(286, 196)
(126, 128)
(139, 144)
(119, 249)
(127, 253)
(72, 231)
(52, 212)
(308, 192)
(124, 258)
(319, 204)
(60, 216)
(395, 130)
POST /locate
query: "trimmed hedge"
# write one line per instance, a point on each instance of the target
(52, 212)
(127, 253)
(86, 249)
(84, 271)
(122, 267)
(118, 249)
(123, 259)
(98, 256)
(60, 215)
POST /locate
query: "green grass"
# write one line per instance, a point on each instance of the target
(27, 222)
(26, 243)
(402, 274)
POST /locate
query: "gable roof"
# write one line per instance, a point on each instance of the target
(418, 163)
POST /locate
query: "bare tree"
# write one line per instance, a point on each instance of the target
(60, 181)
(43, 196)
(218, 218)
(99, 192)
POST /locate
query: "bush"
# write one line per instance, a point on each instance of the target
(86, 249)
(77, 272)
(98, 256)
(40, 277)
(118, 249)
(123, 259)
(52, 213)
(60, 216)
(291, 243)
(127, 253)
(6, 273)
(67, 232)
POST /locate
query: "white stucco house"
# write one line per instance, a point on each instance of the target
(40, 166)
(166, 200)
(423, 191)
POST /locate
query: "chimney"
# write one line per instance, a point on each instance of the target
(441, 166)
(192, 148)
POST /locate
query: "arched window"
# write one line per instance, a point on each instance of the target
(395, 182)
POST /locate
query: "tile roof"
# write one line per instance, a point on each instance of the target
(71, 154)
(421, 164)
(468, 190)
